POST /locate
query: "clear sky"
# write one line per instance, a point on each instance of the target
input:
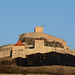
(21, 16)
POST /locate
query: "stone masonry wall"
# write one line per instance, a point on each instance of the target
(7, 47)
(42, 35)
(18, 51)
(5, 53)
(5, 50)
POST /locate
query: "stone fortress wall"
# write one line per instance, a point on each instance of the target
(5, 53)
(6, 50)
(43, 35)
(38, 46)
(18, 51)
(39, 34)
(24, 51)
(7, 47)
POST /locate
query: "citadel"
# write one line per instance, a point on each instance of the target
(36, 42)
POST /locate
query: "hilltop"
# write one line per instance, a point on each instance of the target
(38, 51)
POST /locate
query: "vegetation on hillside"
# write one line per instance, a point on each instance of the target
(30, 41)
(40, 63)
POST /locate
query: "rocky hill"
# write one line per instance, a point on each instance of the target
(56, 52)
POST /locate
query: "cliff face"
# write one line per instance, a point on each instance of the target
(48, 38)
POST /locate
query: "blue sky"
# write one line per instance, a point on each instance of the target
(21, 16)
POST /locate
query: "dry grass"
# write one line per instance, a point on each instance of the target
(6, 58)
(7, 66)
(54, 70)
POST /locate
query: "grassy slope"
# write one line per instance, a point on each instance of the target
(7, 65)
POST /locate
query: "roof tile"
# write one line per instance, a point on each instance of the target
(19, 43)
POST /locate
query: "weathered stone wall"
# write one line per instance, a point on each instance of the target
(18, 51)
(23, 52)
(5, 50)
(39, 47)
(18, 47)
(7, 47)
(39, 44)
(5, 53)
(42, 35)
(45, 49)
(49, 49)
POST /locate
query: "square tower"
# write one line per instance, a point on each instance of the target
(18, 50)
(39, 44)
(39, 29)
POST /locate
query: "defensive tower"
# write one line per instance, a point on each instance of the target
(39, 29)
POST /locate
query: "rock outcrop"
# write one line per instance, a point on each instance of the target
(47, 37)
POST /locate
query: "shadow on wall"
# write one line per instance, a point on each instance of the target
(11, 54)
(52, 58)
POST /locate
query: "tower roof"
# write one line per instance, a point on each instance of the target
(19, 43)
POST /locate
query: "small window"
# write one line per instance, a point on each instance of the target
(19, 50)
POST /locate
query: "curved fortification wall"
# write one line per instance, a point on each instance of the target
(43, 35)
(5, 53)
(7, 47)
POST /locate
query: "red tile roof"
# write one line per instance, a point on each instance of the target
(19, 43)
